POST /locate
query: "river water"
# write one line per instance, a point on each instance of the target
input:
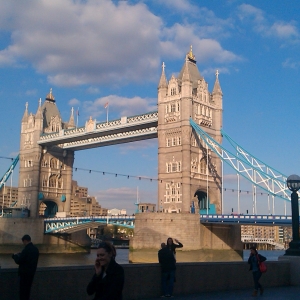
(80, 259)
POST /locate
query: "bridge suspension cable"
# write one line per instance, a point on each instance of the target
(246, 165)
(9, 171)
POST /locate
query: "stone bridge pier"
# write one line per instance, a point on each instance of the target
(12, 230)
(211, 242)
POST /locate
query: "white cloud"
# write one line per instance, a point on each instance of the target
(289, 63)
(93, 90)
(265, 25)
(284, 30)
(74, 102)
(83, 42)
(123, 197)
(146, 144)
(31, 92)
(181, 6)
(99, 42)
(178, 39)
(123, 106)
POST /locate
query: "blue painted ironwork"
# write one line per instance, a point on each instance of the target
(72, 224)
(9, 171)
(247, 166)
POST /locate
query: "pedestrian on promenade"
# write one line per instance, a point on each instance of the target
(254, 260)
(168, 266)
(27, 261)
(172, 246)
(108, 281)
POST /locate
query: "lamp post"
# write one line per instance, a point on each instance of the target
(293, 184)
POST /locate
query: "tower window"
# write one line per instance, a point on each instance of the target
(173, 107)
(168, 168)
(174, 167)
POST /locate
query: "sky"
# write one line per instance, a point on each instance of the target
(94, 52)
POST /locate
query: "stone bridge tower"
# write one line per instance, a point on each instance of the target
(45, 175)
(188, 172)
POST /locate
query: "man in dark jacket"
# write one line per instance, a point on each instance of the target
(27, 261)
(168, 266)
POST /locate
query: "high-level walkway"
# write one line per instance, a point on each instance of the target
(274, 293)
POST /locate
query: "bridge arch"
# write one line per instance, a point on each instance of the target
(203, 202)
(48, 208)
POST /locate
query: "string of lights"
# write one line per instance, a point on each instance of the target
(163, 181)
(7, 158)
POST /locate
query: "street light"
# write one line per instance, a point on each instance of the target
(293, 183)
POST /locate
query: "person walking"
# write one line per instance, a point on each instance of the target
(168, 266)
(108, 281)
(27, 261)
(254, 260)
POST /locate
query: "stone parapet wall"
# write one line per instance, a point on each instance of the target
(142, 281)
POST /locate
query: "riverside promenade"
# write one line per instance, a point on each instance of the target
(272, 293)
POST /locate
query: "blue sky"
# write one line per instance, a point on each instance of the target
(91, 52)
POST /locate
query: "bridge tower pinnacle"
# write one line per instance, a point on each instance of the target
(187, 170)
(45, 174)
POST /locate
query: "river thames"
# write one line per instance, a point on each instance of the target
(80, 259)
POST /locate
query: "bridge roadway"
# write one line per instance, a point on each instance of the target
(123, 130)
(73, 224)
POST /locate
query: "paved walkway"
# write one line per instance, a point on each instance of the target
(280, 293)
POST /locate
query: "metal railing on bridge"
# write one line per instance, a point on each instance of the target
(247, 219)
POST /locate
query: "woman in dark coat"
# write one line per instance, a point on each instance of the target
(172, 246)
(108, 280)
(254, 260)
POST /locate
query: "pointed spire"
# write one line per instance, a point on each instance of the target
(190, 56)
(71, 123)
(39, 114)
(50, 96)
(186, 74)
(163, 79)
(217, 88)
(25, 116)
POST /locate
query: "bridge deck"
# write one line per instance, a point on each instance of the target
(72, 224)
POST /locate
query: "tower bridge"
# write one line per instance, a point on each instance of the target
(185, 167)
(188, 127)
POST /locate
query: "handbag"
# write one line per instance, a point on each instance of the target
(262, 265)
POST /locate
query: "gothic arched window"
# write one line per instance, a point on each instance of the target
(203, 166)
(59, 183)
(44, 163)
(53, 163)
(52, 181)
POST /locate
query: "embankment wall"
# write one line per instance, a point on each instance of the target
(142, 281)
